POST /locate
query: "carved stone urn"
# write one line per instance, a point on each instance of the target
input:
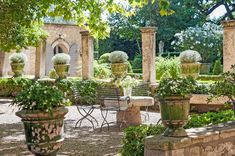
(43, 130)
(174, 114)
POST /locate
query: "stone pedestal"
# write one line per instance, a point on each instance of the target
(228, 44)
(40, 61)
(131, 116)
(148, 54)
(87, 55)
(211, 141)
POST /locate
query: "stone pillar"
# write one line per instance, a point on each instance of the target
(87, 55)
(2, 58)
(40, 61)
(228, 44)
(148, 54)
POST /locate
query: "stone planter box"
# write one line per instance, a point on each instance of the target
(199, 103)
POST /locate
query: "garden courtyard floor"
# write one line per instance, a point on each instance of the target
(78, 142)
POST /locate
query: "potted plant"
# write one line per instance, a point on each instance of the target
(127, 84)
(225, 87)
(174, 95)
(119, 65)
(41, 108)
(61, 64)
(190, 65)
(17, 61)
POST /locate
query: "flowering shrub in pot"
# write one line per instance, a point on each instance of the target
(17, 61)
(174, 95)
(190, 65)
(119, 65)
(61, 64)
(42, 110)
(127, 84)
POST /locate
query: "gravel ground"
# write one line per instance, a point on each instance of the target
(83, 141)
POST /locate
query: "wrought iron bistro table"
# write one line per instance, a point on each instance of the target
(131, 115)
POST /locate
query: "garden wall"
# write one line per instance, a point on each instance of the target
(209, 141)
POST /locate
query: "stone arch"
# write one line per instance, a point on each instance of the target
(61, 43)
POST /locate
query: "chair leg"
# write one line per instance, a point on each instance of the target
(104, 116)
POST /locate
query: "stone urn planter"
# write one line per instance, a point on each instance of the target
(119, 69)
(17, 69)
(174, 115)
(119, 64)
(17, 62)
(190, 69)
(190, 65)
(62, 70)
(61, 64)
(43, 130)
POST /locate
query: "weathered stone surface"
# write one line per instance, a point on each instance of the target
(148, 54)
(208, 141)
(228, 44)
(87, 55)
(131, 116)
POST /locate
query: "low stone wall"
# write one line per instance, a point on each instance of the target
(199, 103)
(208, 141)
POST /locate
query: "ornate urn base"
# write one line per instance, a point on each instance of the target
(43, 131)
(190, 69)
(62, 70)
(174, 113)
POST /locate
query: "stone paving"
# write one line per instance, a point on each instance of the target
(82, 141)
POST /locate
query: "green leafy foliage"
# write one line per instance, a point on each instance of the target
(12, 86)
(104, 58)
(217, 69)
(176, 86)
(40, 97)
(169, 66)
(133, 139)
(87, 91)
(102, 70)
(225, 87)
(137, 62)
(210, 118)
(20, 29)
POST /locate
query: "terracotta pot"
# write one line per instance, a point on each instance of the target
(190, 69)
(17, 69)
(174, 114)
(62, 70)
(119, 69)
(43, 131)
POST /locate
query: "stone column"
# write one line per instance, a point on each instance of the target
(228, 44)
(87, 55)
(148, 54)
(40, 61)
(2, 60)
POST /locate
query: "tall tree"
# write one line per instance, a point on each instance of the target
(20, 21)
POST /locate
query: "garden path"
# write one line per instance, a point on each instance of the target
(78, 142)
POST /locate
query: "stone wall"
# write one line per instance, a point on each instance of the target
(209, 141)
(66, 36)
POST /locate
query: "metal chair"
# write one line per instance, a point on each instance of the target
(109, 100)
(84, 110)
